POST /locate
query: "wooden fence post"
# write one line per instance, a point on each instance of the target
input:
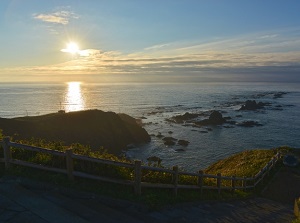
(175, 179)
(70, 164)
(278, 156)
(7, 152)
(137, 177)
(200, 180)
(244, 184)
(233, 181)
(219, 179)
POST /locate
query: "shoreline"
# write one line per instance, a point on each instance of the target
(166, 101)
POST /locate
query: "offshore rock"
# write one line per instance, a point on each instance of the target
(215, 118)
(168, 138)
(252, 105)
(154, 159)
(169, 141)
(183, 142)
(185, 117)
(249, 124)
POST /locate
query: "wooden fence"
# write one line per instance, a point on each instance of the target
(217, 181)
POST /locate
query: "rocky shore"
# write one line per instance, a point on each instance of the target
(215, 117)
(166, 124)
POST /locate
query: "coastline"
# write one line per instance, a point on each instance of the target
(157, 103)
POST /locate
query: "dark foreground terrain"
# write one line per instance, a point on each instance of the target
(92, 127)
(23, 200)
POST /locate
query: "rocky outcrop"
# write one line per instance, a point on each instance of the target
(154, 159)
(179, 150)
(168, 138)
(253, 105)
(279, 95)
(249, 124)
(93, 127)
(215, 118)
(183, 142)
(185, 117)
(159, 135)
(169, 141)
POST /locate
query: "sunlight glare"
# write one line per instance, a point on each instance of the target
(72, 47)
(73, 98)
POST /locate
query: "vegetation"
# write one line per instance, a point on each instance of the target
(79, 165)
(247, 163)
(297, 220)
(89, 127)
(244, 164)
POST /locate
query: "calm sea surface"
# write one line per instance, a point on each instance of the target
(157, 102)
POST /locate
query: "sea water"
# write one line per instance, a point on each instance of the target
(154, 103)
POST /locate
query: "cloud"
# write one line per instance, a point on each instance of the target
(268, 36)
(88, 52)
(97, 62)
(60, 17)
(82, 53)
(52, 19)
(155, 47)
(248, 57)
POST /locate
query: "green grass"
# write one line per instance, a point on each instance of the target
(297, 220)
(247, 163)
(244, 164)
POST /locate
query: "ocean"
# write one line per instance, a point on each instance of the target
(155, 103)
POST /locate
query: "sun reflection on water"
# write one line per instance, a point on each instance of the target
(73, 97)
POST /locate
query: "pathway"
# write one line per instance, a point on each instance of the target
(25, 201)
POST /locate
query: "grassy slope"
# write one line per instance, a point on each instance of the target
(246, 163)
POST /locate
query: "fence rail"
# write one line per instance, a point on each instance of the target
(236, 183)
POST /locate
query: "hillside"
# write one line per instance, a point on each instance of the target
(92, 127)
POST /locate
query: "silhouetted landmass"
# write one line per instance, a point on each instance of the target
(92, 127)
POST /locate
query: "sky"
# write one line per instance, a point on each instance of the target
(149, 41)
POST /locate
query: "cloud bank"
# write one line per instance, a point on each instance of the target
(255, 57)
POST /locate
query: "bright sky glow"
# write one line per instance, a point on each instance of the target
(72, 48)
(149, 41)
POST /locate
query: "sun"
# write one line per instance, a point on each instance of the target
(72, 48)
